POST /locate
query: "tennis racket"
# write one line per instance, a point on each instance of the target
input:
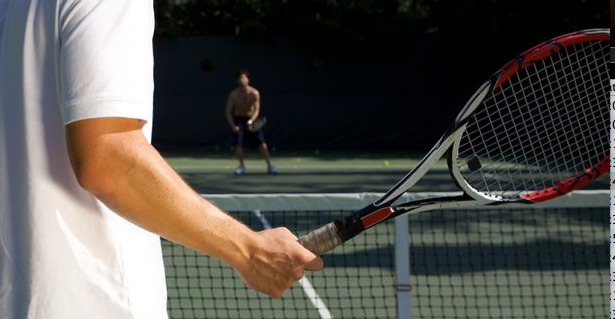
(537, 129)
(258, 124)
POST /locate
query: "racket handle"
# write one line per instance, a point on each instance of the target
(321, 240)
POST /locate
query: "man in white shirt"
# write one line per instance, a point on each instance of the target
(76, 88)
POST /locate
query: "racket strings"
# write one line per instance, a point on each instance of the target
(544, 110)
(547, 119)
(545, 123)
(526, 135)
(574, 164)
(596, 120)
(588, 88)
(541, 108)
(566, 163)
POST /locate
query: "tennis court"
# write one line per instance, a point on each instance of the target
(312, 172)
(531, 262)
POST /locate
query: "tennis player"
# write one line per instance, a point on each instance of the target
(83, 194)
(242, 109)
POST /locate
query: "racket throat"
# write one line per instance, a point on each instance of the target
(351, 226)
(365, 218)
(376, 217)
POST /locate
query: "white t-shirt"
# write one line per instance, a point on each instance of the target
(63, 254)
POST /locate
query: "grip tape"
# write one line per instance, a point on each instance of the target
(321, 240)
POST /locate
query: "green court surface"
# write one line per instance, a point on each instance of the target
(528, 263)
(496, 262)
(354, 284)
(311, 172)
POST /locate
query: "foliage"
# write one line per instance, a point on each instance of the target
(330, 18)
(349, 24)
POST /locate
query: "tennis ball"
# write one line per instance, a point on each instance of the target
(386, 164)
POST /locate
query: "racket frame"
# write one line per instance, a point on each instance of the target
(335, 233)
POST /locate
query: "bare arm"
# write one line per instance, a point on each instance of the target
(228, 112)
(113, 160)
(257, 107)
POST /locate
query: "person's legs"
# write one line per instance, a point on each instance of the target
(241, 169)
(258, 138)
(239, 153)
(265, 153)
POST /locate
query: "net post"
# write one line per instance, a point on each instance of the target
(402, 267)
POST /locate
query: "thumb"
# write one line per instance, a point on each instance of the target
(311, 261)
(315, 264)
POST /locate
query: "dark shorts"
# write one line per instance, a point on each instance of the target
(244, 137)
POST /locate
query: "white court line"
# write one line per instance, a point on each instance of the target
(309, 290)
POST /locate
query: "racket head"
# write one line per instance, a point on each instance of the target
(481, 171)
(258, 124)
(539, 127)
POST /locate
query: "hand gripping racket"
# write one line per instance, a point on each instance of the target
(539, 128)
(258, 124)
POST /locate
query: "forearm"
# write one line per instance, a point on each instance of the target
(137, 183)
(153, 196)
(255, 112)
(229, 119)
(113, 161)
(254, 116)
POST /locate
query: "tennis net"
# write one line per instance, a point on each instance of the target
(539, 261)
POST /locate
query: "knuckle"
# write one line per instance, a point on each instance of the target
(275, 293)
(298, 274)
(284, 231)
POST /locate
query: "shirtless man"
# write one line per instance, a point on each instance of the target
(242, 109)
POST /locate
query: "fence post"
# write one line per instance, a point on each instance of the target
(402, 267)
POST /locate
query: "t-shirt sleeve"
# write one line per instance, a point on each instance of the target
(105, 59)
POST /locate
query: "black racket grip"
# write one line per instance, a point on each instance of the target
(321, 240)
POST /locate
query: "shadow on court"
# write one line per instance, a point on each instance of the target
(313, 172)
(323, 181)
(312, 181)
